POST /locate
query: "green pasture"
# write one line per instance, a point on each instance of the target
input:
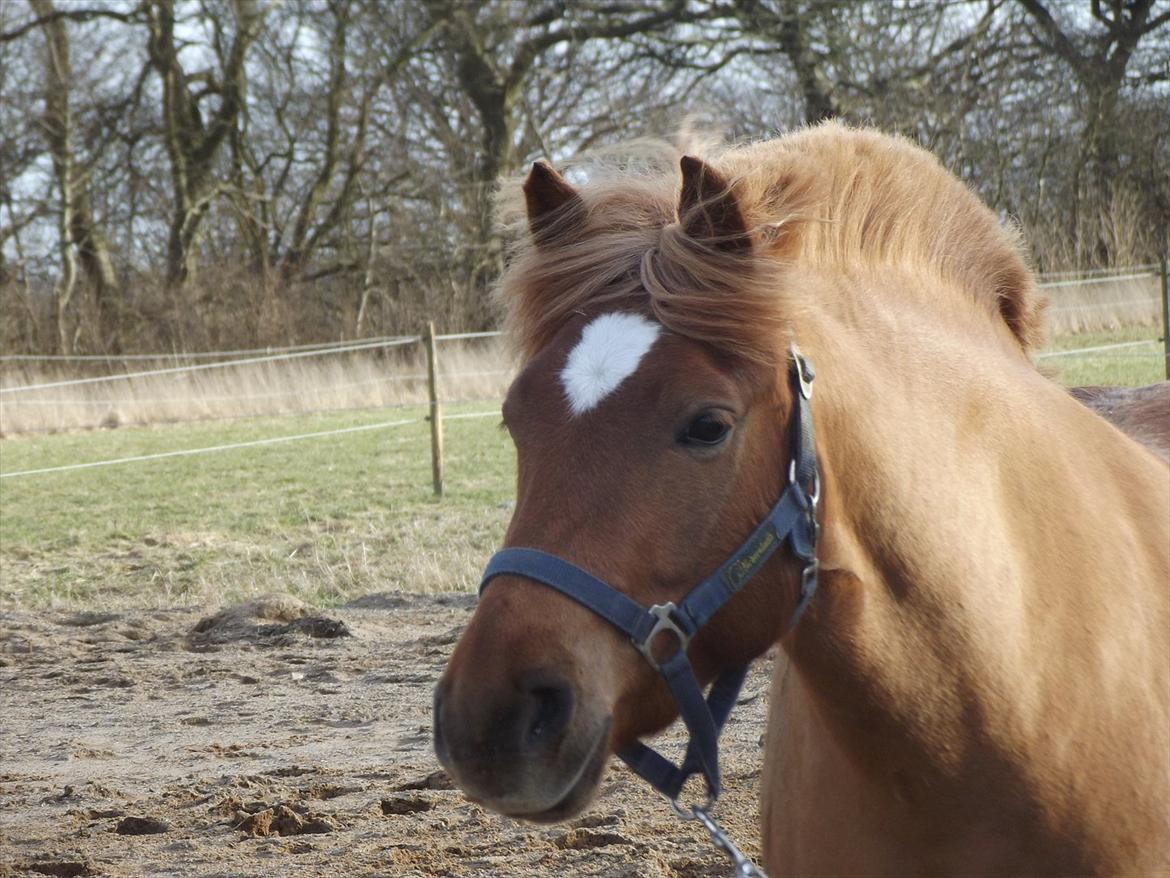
(327, 519)
(1131, 366)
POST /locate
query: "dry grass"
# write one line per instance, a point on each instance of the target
(379, 379)
(1080, 304)
(395, 377)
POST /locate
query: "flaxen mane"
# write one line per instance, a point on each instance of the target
(823, 195)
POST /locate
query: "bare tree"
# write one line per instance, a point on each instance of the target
(241, 171)
(58, 130)
(494, 52)
(1099, 58)
(194, 128)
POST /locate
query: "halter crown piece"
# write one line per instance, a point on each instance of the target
(792, 519)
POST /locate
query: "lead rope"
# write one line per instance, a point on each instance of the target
(742, 867)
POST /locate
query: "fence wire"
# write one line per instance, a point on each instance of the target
(192, 355)
(251, 443)
(1103, 279)
(149, 373)
(1074, 352)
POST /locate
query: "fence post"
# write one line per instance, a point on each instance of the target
(436, 410)
(1165, 317)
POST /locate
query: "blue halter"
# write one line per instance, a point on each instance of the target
(793, 518)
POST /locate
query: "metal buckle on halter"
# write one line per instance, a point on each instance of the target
(810, 512)
(815, 494)
(664, 613)
(808, 579)
(804, 371)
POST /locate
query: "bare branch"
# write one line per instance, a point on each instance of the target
(70, 14)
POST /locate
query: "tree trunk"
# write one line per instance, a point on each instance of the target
(788, 27)
(368, 274)
(58, 128)
(192, 143)
(93, 252)
(494, 101)
(79, 238)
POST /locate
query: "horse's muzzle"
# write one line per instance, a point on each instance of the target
(534, 751)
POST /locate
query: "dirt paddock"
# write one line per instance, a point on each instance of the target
(276, 741)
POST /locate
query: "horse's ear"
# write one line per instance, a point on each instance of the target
(554, 206)
(708, 209)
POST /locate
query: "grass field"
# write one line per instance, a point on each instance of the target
(325, 519)
(1131, 366)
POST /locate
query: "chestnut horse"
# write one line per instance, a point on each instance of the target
(981, 685)
(1142, 412)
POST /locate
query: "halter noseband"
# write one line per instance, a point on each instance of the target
(793, 518)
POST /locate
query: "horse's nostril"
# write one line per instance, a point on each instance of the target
(552, 707)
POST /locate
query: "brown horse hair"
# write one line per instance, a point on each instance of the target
(844, 197)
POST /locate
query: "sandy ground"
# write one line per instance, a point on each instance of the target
(283, 744)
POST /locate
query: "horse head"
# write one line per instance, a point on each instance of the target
(650, 437)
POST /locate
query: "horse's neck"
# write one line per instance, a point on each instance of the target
(985, 541)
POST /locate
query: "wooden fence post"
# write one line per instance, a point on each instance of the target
(436, 410)
(1165, 316)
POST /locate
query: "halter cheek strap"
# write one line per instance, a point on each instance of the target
(792, 520)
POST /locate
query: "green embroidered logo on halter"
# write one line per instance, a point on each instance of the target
(755, 553)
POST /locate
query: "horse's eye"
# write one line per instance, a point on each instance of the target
(706, 429)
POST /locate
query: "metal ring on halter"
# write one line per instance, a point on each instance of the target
(805, 373)
(687, 812)
(808, 580)
(665, 622)
(813, 495)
